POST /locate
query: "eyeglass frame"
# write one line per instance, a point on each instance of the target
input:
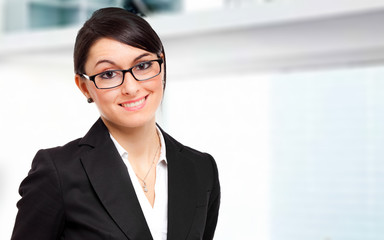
(92, 78)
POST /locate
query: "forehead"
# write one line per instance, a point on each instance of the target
(106, 48)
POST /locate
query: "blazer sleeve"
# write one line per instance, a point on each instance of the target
(41, 209)
(213, 205)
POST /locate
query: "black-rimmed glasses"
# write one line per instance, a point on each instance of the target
(114, 78)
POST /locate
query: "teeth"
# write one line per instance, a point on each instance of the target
(134, 104)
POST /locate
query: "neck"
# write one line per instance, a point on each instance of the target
(139, 142)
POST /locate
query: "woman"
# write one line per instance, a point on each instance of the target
(126, 178)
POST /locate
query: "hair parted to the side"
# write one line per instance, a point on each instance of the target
(120, 25)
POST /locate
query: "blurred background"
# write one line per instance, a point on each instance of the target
(287, 95)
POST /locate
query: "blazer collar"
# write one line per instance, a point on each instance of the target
(96, 136)
(110, 180)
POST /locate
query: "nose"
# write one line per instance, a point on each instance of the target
(130, 86)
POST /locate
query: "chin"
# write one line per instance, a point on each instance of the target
(132, 122)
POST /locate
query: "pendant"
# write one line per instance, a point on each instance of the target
(145, 187)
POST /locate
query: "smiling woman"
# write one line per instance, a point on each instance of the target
(121, 95)
(126, 178)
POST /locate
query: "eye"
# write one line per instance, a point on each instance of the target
(143, 66)
(107, 75)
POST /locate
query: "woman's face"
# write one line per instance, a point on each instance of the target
(134, 103)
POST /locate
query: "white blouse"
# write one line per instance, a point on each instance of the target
(156, 217)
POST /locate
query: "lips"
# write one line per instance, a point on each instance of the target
(134, 105)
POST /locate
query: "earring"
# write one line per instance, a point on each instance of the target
(90, 100)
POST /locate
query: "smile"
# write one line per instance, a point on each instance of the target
(134, 105)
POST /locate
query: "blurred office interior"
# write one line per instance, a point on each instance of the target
(287, 95)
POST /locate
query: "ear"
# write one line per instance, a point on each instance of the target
(81, 84)
(162, 72)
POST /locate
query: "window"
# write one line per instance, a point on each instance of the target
(22, 15)
(327, 173)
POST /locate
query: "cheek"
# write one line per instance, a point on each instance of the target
(102, 97)
(160, 89)
(155, 86)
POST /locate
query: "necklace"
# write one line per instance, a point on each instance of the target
(149, 170)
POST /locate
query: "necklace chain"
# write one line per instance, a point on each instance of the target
(149, 170)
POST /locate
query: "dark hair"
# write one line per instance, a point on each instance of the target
(120, 25)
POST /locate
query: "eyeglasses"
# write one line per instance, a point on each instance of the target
(114, 78)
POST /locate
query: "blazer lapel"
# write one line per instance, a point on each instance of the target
(182, 190)
(112, 184)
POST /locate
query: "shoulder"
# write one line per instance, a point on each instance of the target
(174, 145)
(66, 147)
(67, 150)
(96, 136)
(200, 159)
(60, 158)
(196, 155)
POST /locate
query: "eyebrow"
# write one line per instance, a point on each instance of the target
(113, 63)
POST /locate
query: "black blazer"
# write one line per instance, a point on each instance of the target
(82, 191)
